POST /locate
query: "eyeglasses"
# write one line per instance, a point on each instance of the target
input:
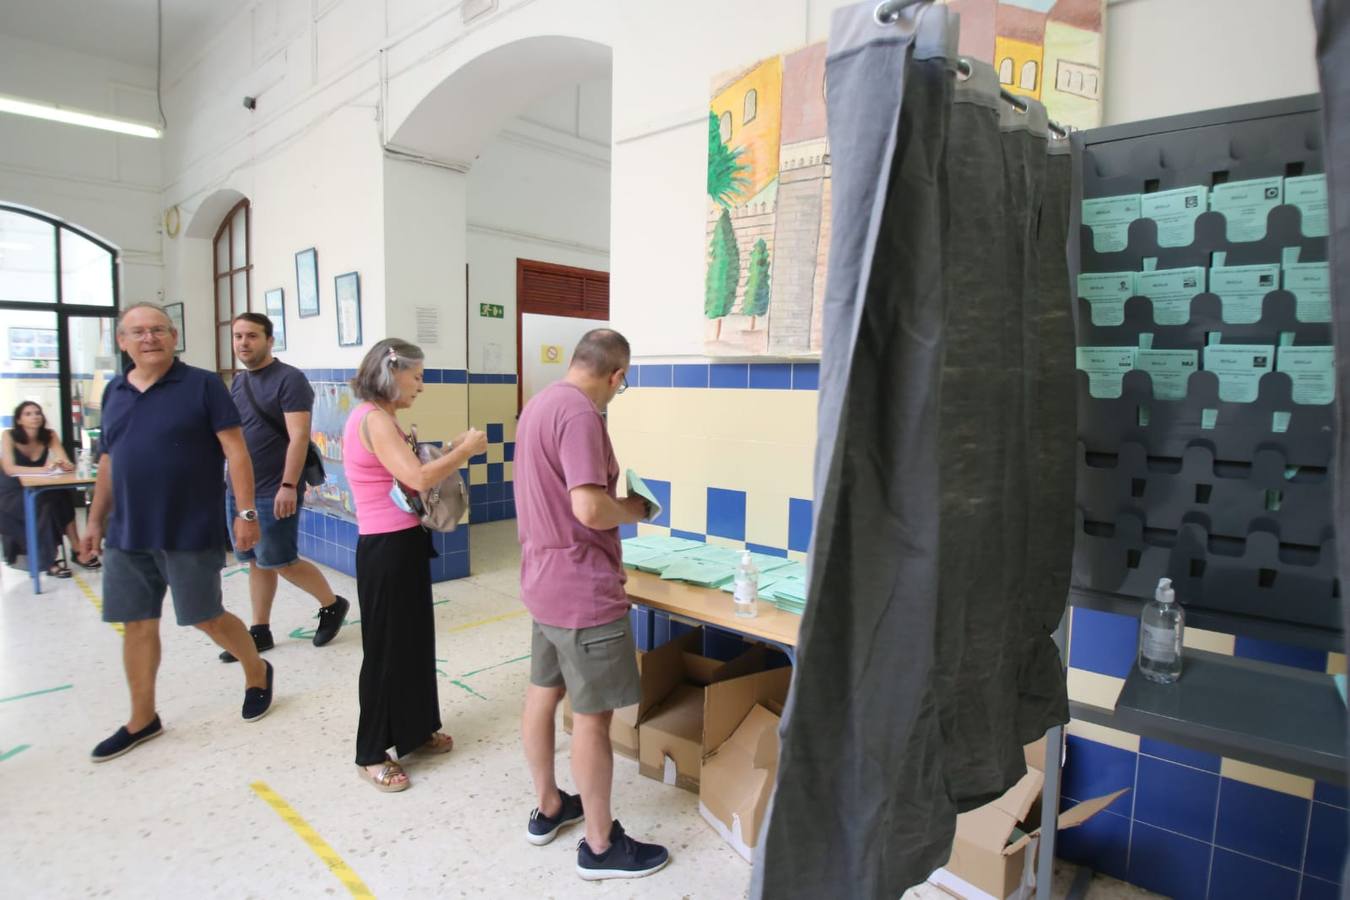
(623, 385)
(137, 334)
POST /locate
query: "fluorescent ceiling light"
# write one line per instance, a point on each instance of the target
(56, 113)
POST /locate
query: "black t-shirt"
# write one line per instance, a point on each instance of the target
(279, 389)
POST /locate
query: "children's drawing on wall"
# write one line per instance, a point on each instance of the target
(768, 207)
(332, 402)
(1050, 50)
(768, 228)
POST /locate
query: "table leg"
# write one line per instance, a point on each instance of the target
(30, 532)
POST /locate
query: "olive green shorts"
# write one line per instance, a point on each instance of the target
(597, 665)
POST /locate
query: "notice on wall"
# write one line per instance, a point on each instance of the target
(428, 325)
(551, 354)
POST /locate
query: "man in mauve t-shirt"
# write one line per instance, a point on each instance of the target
(572, 582)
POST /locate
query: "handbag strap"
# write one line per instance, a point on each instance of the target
(262, 414)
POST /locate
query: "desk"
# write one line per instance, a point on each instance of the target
(32, 486)
(714, 607)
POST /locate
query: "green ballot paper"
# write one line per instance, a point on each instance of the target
(1310, 283)
(1169, 369)
(1106, 293)
(1239, 368)
(1312, 370)
(1175, 212)
(1246, 204)
(1106, 367)
(1309, 194)
(637, 486)
(1171, 291)
(1110, 218)
(1242, 290)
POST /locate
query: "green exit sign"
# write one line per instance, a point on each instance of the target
(491, 310)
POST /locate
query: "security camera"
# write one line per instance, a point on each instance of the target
(250, 102)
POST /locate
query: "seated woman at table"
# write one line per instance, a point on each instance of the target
(31, 448)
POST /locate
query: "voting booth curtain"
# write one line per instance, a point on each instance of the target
(944, 477)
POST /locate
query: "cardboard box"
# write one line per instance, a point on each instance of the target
(670, 714)
(994, 853)
(740, 754)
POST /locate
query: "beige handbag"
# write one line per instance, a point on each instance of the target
(444, 505)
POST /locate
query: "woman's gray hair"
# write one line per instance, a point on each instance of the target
(374, 381)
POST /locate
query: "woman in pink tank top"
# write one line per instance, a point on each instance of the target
(399, 703)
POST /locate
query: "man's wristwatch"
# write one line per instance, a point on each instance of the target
(248, 515)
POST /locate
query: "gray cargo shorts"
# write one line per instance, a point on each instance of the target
(597, 665)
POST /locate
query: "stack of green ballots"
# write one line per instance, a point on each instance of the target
(785, 573)
(653, 553)
(700, 572)
(789, 595)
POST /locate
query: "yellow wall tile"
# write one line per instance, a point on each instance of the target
(1335, 663)
(645, 529)
(440, 413)
(493, 403)
(688, 506)
(509, 471)
(496, 453)
(1093, 688)
(478, 474)
(716, 541)
(1267, 778)
(766, 518)
(1213, 641)
(1103, 735)
(797, 556)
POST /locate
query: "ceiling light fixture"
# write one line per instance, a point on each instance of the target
(54, 113)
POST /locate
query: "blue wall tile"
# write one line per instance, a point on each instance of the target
(1333, 794)
(478, 493)
(656, 376)
(496, 472)
(1092, 769)
(1237, 877)
(1184, 755)
(1267, 824)
(799, 525)
(627, 531)
(509, 490)
(771, 376)
(688, 535)
(494, 492)
(433, 376)
(1317, 889)
(729, 375)
(726, 513)
(634, 376)
(688, 376)
(805, 376)
(767, 551)
(1326, 843)
(1168, 864)
(1103, 642)
(509, 451)
(455, 376)
(494, 433)
(1102, 842)
(660, 490)
(1283, 654)
(478, 460)
(1176, 798)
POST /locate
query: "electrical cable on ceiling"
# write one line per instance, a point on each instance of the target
(159, 61)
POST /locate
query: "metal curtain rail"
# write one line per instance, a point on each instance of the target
(888, 11)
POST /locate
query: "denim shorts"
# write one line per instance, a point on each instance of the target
(279, 543)
(134, 582)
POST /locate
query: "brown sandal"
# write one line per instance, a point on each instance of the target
(384, 780)
(438, 743)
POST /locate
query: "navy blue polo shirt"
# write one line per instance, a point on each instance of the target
(167, 464)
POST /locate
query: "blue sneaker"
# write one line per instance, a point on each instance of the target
(543, 829)
(625, 858)
(125, 741)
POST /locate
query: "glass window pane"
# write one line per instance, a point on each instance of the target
(223, 252)
(240, 292)
(223, 347)
(27, 258)
(86, 271)
(223, 299)
(239, 239)
(29, 369)
(94, 361)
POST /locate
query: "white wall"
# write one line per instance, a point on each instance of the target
(1165, 57)
(105, 183)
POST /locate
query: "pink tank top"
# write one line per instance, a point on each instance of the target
(370, 482)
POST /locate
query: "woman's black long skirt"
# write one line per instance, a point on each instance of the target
(399, 706)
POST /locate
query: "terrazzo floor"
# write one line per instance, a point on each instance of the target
(220, 808)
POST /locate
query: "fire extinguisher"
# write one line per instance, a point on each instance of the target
(76, 408)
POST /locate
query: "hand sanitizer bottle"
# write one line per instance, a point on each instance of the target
(1160, 629)
(746, 587)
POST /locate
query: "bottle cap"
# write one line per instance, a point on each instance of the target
(1165, 594)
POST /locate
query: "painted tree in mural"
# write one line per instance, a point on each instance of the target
(726, 180)
(756, 301)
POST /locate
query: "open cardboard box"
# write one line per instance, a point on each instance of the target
(994, 853)
(740, 754)
(623, 730)
(670, 715)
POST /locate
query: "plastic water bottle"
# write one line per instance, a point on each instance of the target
(1160, 630)
(82, 467)
(746, 587)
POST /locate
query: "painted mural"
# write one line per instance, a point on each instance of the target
(332, 402)
(768, 187)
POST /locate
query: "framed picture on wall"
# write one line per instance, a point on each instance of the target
(175, 313)
(307, 283)
(348, 290)
(275, 301)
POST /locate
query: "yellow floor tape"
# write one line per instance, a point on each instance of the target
(503, 617)
(349, 879)
(97, 601)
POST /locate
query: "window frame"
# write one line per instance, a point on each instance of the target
(227, 367)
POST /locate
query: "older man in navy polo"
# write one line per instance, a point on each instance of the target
(168, 429)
